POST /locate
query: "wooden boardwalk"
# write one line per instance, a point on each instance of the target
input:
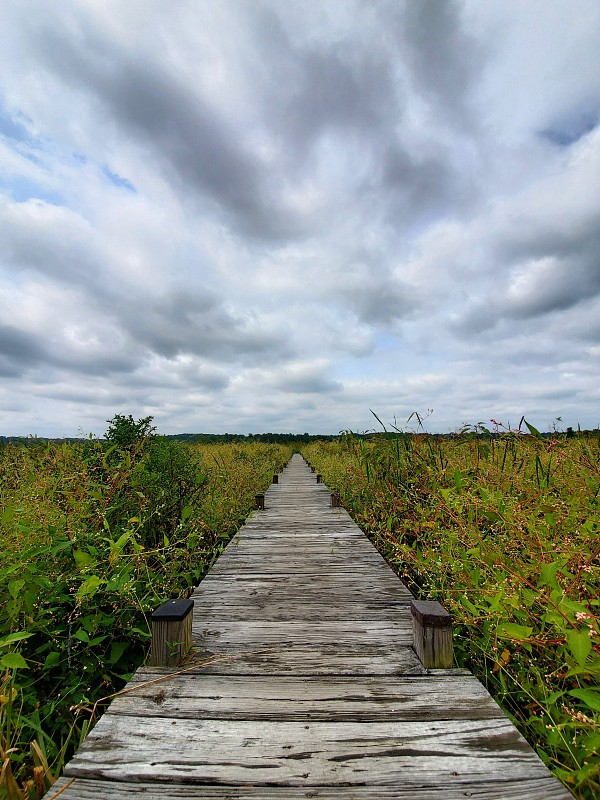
(305, 685)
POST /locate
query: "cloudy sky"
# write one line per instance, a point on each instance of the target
(275, 215)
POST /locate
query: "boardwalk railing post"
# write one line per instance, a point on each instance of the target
(432, 634)
(275, 478)
(312, 469)
(319, 479)
(259, 501)
(171, 633)
(336, 500)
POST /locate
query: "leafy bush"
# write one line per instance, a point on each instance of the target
(124, 431)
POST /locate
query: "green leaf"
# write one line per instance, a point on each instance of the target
(116, 651)
(15, 587)
(590, 697)
(7, 515)
(533, 431)
(122, 540)
(510, 630)
(579, 645)
(13, 661)
(548, 576)
(552, 698)
(585, 671)
(97, 640)
(143, 634)
(591, 743)
(83, 559)
(89, 587)
(82, 635)
(52, 659)
(458, 479)
(472, 608)
(14, 637)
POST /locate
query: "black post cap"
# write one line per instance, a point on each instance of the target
(173, 611)
(430, 614)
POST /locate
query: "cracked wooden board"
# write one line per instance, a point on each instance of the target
(326, 659)
(288, 612)
(351, 634)
(544, 788)
(340, 588)
(303, 753)
(326, 699)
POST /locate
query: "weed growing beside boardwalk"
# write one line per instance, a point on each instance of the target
(504, 530)
(95, 536)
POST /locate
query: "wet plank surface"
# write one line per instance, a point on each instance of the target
(303, 683)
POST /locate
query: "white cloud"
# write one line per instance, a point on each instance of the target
(264, 216)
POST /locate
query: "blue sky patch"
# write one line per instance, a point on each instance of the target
(11, 127)
(570, 131)
(117, 180)
(21, 189)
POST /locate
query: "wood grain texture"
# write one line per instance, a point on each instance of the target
(222, 636)
(304, 753)
(545, 788)
(303, 683)
(328, 659)
(325, 699)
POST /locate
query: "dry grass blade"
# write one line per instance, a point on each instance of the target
(8, 785)
(42, 774)
(60, 791)
(39, 782)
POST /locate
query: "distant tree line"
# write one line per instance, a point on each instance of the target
(268, 438)
(120, 437)
(278, 438)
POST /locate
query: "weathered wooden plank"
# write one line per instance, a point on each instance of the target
(222, 636)
(296, 608)
(296, 611)
(342, 586)
(544, 788)
(300, 530)
(290, 552)
(324, 699)
(295, 600)
(300, 535)
(329, 659)
(372, 581)
(303, 754)
(296, 566)
(245, 582)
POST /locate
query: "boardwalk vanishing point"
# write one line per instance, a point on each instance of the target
(303, 683)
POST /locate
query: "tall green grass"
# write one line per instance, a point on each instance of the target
(95, 538)
(502, 528)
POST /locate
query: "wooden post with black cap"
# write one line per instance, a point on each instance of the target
(171, 633)
(432, 634)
